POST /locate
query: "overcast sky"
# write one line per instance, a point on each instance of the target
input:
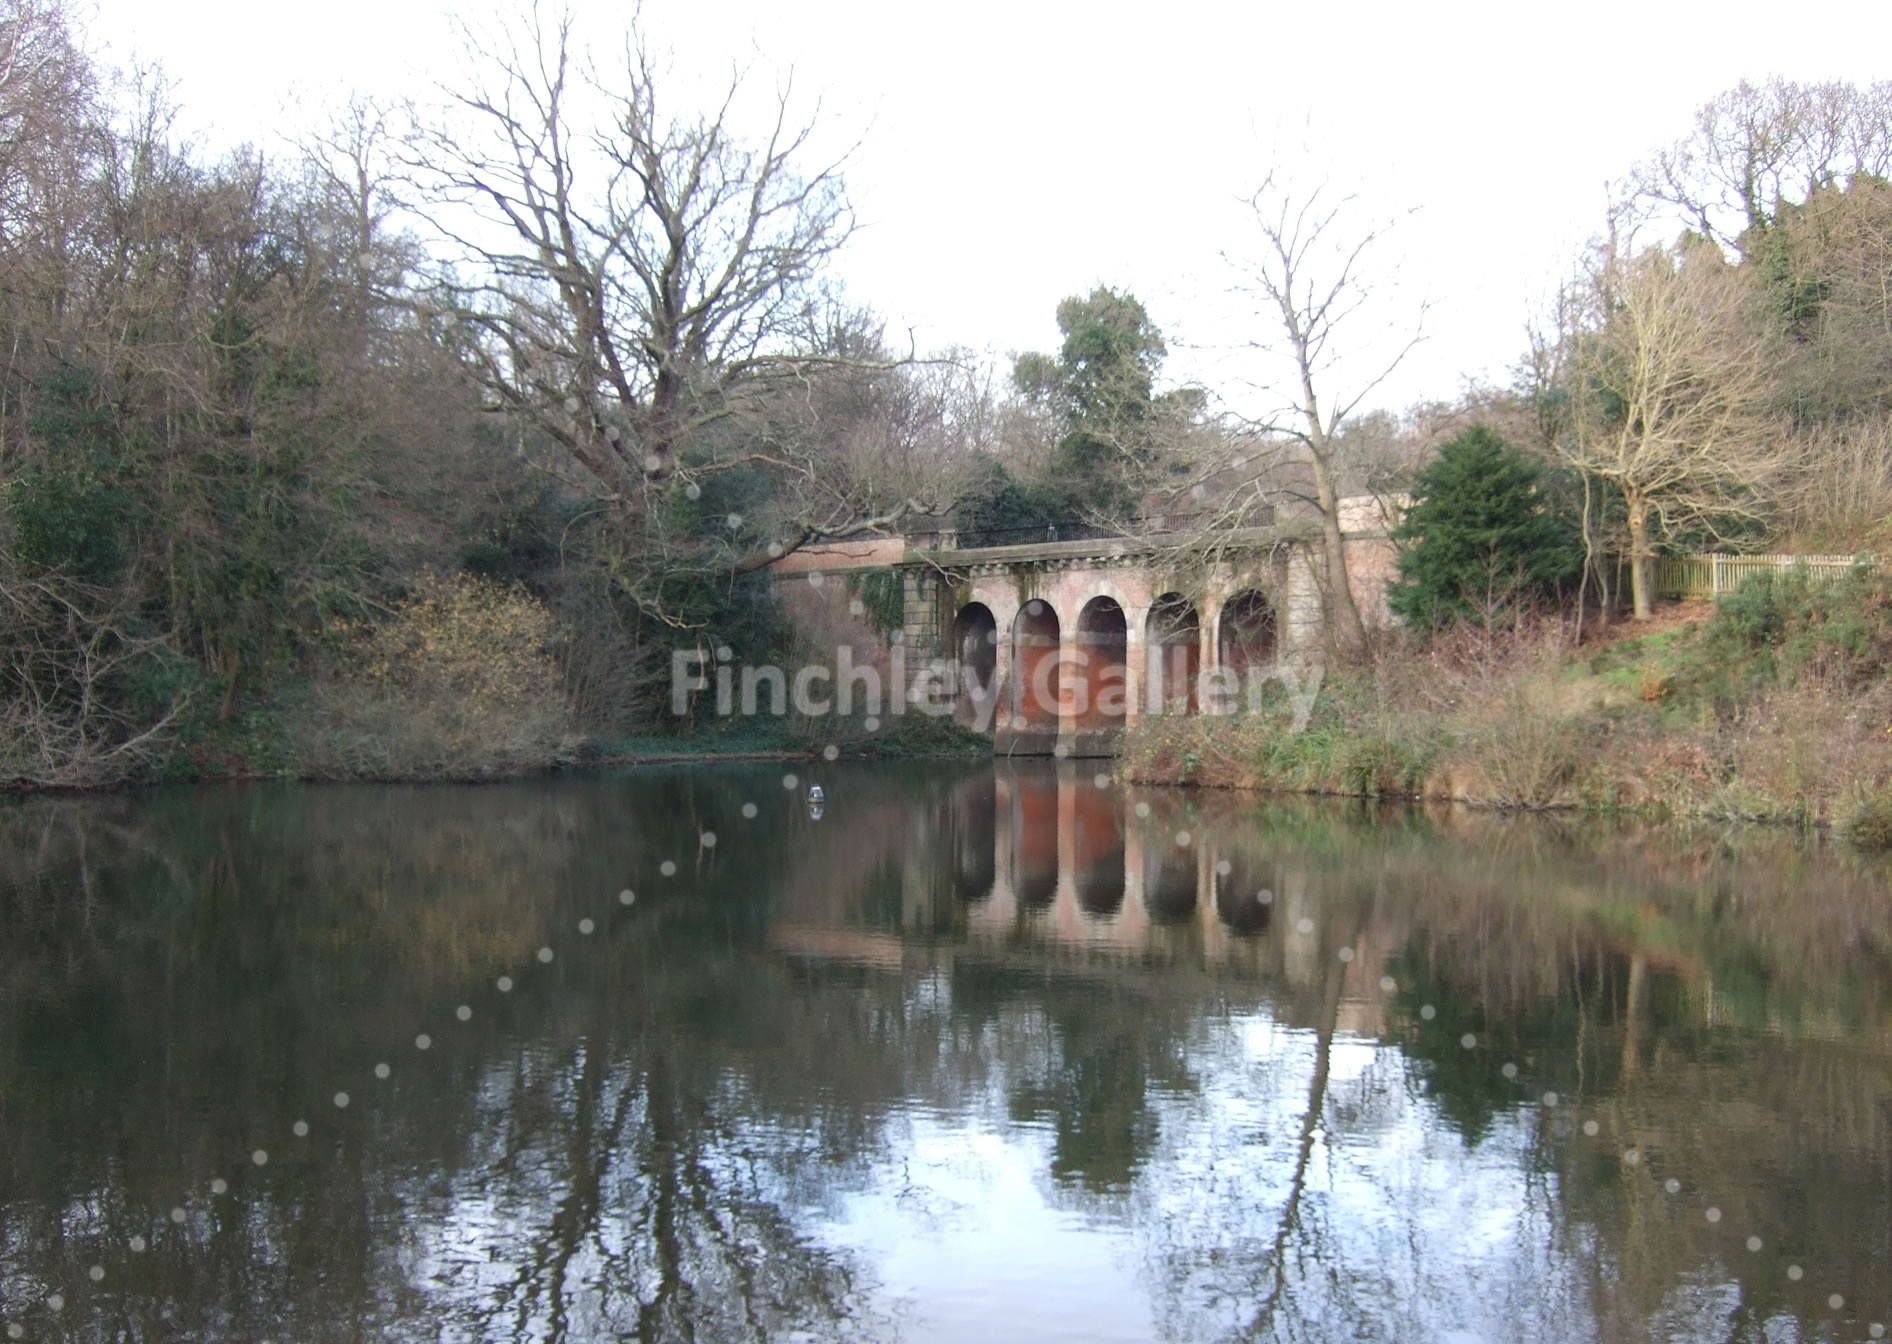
(1015, 153)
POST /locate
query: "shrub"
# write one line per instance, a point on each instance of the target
(459, 682)
(1788, 628)
(1871, 825)
(68, 523)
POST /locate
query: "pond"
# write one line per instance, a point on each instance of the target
(979, 1051)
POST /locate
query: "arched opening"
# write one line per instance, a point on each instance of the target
(1035, 838)
(1169, 883)
(1246, 645)
(1243, 903)
(1174, 643)
(1097, 851)
(975, 661)
(1035, 667)
(1103, 639)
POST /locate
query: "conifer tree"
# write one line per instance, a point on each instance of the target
(1482, 531)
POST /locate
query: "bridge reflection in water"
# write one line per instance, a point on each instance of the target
(1048, 864)
(1054, 853)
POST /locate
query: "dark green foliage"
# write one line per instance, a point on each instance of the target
(1789, 627)
(68, 515)
(996, 507)
(1484, 530)
(1102, 385)
(67, 522)
(71, 417)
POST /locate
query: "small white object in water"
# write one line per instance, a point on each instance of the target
(817, 801)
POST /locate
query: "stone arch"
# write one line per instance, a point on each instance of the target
(975, 654)
(1037, 674)
(1100, 585)
(1173, 641)
(1248, 637)
(1103, 646)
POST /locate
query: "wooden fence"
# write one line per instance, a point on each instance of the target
(1713, 575)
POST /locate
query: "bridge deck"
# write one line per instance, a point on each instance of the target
(1110, 548)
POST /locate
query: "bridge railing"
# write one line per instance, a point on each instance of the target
(1079, 529)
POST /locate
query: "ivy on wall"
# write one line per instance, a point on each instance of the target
(883, 599)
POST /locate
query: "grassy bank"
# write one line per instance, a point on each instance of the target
(1775, 705)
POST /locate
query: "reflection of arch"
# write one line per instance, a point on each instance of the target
(975, 659)
(1097, 847)
(1035, 839)
(1247, 640)
(1103, 637)
(1035, 668)
(1238, 901)
(1174, 642)
(1169, 883)
(974, 821)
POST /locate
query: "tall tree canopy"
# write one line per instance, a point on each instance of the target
(1118, 435)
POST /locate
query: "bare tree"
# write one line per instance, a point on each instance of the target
(65, 652)
(640, 285)
(354, 168)
(46, 91)
(1671, 376)
(1757, 147)
(1308, 280)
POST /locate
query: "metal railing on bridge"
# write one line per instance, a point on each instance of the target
(1078, 529)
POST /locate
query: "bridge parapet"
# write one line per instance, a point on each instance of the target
(1101, 549)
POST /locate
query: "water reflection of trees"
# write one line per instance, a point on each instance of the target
(647, 1141)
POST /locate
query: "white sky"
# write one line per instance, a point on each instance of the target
(1015, 153)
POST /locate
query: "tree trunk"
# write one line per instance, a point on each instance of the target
(1349, 633)
(1639, 575)
(227, 710)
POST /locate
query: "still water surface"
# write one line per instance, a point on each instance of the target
(979, 1054)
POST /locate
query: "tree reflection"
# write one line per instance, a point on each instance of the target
(666, 1133)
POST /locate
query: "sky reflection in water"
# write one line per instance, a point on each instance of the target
(977, 1053)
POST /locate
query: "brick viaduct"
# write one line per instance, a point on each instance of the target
(1055, 646)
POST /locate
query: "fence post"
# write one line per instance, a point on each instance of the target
(1714, 574)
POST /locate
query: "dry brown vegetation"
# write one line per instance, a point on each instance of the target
(1775, 708)
(460, 682)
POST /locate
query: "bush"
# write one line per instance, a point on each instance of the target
(459, 683)
(1788, 628)
(67, 523)
(1871, 825)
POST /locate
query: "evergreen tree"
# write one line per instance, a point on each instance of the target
(1117, 429)
(1482, 528)
(996, 508)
